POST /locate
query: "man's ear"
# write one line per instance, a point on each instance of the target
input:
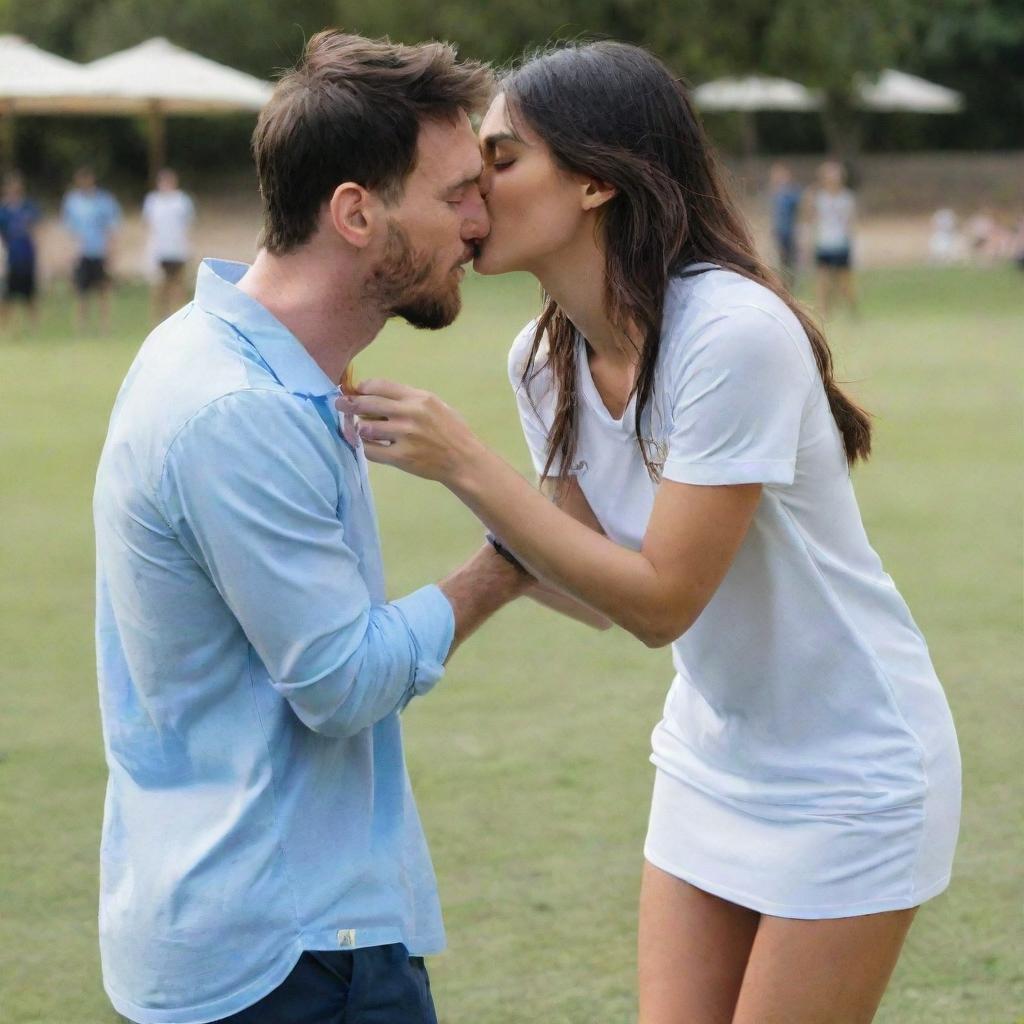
(354, 212)
(597, 193)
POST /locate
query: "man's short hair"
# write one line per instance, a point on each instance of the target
(350, 111)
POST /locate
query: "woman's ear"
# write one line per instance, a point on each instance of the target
(353, 211)
(597, 193)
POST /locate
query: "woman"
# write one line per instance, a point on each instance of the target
(682, 411)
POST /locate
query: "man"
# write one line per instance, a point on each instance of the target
(168, 214)
(19, 216)
(262, 857)
(91, 215)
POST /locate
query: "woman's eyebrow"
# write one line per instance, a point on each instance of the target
(490, 142)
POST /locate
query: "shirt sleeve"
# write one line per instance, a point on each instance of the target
(534, 400)
(738, 401)
(251, 487)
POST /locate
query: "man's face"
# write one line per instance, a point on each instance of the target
(434, 229)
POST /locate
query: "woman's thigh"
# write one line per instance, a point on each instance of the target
(821, 972)
(693, 950)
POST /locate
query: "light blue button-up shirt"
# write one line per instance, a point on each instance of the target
(250, 672)
(91, 217)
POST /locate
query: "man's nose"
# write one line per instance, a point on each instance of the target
(485, 180)
(477, 222)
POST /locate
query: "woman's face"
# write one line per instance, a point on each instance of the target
(534, 205)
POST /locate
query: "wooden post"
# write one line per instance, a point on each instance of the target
(157, 140)
(8, 158)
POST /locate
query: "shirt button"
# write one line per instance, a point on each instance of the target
(346, 937)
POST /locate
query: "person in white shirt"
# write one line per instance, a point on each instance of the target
(835, 209)
(681, 410)
(169, 214)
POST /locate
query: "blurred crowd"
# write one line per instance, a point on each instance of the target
(91, 217)
(815, 226)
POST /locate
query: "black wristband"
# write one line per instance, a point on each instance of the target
(506, 554)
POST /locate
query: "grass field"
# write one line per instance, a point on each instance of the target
(530, 760)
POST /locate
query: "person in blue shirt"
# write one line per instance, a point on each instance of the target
(785, 203)
(92, 216)
(262, 858)
(19, 216)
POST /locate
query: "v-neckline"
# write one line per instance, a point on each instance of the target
(624, 424)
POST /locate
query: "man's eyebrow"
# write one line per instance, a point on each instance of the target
(468, 180)
(490, 142)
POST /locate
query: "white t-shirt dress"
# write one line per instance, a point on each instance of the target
(807, 761)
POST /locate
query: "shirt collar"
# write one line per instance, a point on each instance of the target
(294, 367)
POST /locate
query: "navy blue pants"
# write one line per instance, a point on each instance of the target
(376, 985)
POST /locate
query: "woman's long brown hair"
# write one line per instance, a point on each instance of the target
(613, 112)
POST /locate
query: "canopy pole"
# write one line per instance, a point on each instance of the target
(7, 154)
(157, 140)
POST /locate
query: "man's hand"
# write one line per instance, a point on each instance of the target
(479, 588)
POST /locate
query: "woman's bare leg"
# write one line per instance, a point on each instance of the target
(821, 972)
(693, 950)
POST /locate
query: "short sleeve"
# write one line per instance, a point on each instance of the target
(535, 399)
(737, 402)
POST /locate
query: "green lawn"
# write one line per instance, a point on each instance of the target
(530, 760)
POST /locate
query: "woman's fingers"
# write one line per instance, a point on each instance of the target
(381, 452)
(369, 405)
(383, 388)
(380, 430)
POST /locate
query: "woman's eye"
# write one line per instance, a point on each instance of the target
(501, 164)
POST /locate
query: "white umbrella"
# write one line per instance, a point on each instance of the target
(896, 90)
(159, 78)
(179, 81)
(754, 92)
(27, 71)
(154, 78)
(34, 81)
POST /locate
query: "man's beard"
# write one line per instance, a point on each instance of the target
(399, 285)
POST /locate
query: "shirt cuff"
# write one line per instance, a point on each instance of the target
(431, 623)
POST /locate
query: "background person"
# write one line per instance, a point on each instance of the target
(19, 216)
(834, 211)
(785, 195)
(92, 216)
(168, 214)
(681, 409)
(945, 243)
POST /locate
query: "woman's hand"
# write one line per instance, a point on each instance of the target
(413, 430)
